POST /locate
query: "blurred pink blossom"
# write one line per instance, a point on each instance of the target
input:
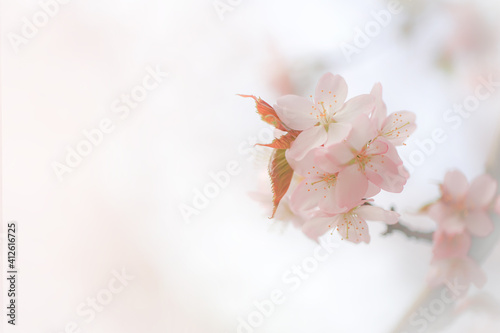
(450, 245)
(463, 271)
(463, 206)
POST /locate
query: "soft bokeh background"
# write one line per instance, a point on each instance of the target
(120, 208)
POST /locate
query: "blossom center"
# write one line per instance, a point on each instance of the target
(458, 205)
(361, 158)
(329, 179)
(323, 116)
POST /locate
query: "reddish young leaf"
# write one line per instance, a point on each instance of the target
(282, 142)
(267, 113)
(281, 174)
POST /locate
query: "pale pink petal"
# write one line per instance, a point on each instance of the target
(455, 185)
(319, 226)
(450, 245)
(306, 196)
(331, 90)
(441, 272)
(497, 206)
(439, 211)
(362, 132)
(333, 158)
(372, 190)
(464, 271)
(398, 126)
(338, 132)
(339, 153)
(392, 152)
(479, 223)
(356, 106)
(296, 112)
(351, 186)
(403, 172)
(306, 141)
(372, 213)
(304, 165)
(481, 192)
(330, 202)
(385, 174)
(460, 271)
(453, 224)
(380, 112)
(377, 147)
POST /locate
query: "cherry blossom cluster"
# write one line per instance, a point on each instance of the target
(332, 155)
(462, 212)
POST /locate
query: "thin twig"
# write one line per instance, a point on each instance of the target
(408, 232)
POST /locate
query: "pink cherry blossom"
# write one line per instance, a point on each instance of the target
(497, 206)
(464, 207)
(326, 118)
(351, 224)
(461, 270)
(341, 154)
(319, 188)
(362, 160)
(396, 127)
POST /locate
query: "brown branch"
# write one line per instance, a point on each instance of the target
(427, 236)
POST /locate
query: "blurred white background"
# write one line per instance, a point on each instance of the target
(120, 208)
